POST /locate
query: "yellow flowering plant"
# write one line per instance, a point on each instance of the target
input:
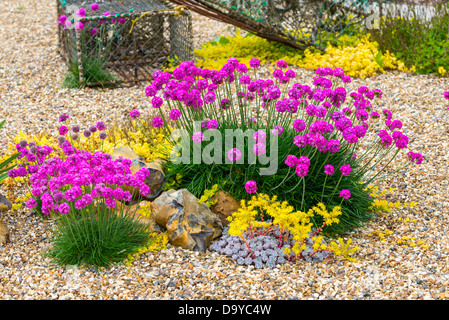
(293, 230)
(358, 55)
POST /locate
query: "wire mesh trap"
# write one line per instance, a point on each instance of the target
(298, 23)
(122, 41)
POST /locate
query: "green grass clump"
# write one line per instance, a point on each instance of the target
(99, 238)
(94, 74)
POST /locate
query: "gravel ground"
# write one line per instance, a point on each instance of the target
(32, 98)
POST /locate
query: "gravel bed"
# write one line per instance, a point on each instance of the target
(31, 98)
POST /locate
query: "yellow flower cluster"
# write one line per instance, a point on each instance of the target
(386, 206)
(358, 57)
(382, 205)
(140, 142)
(406, 241)
(297, 223)
(382, 235)
(208, 196)
(340, 248)
(144, 210)
(329, 217)
(158, 242)
(149, 143)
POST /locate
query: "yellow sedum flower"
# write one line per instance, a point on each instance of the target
(358, 57)
(297, 223)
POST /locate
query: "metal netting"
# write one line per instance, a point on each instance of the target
(299, 23)
(126, 44)
(304, 23)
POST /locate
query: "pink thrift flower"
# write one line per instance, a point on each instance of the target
(302, 170)
(345, 169)
(157, 102)
(277, 130)
(281, 64)
(197, 137)
(64, 208)
(345, 194)
(81, 12)
(31, 203)
(259, 149)
(62, 19)
(234, 154)
(251, 186)
(174, 114)
(144, 190)
(79, 204)
(299, 125)
(212, 124)
(79, 26)
(134, 114)
(63, 130)
(304, 160)
(110, 203)
(254, 63)
(291, 161)
(260, 136)
(329, 169)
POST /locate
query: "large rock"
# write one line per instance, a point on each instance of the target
(5, 205)
(189, 224)
(156, 179)
(4, 233)
(225, 206)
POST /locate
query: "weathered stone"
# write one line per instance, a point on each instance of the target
(156, 179)
(4, 233)
(5, 204)
(226, 205)
(189, 224)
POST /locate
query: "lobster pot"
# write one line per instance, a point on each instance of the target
(123, 40)
(298, 23)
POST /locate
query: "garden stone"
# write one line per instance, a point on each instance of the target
(4, 202)
(189, 224)
(156, 179)
(4, 233)
(5, 205)
(226, 205)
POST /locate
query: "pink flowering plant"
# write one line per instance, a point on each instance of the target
(97, 37)
(325, 144)
(86, 191)
(446, 96)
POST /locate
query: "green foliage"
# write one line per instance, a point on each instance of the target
(285, 183)
(421, 44)
(98, 238)
(94, 73)
(4, 164)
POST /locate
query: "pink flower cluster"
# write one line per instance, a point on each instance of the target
(82, 179)
(78, 178)
(300, 164)
(81, 12)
